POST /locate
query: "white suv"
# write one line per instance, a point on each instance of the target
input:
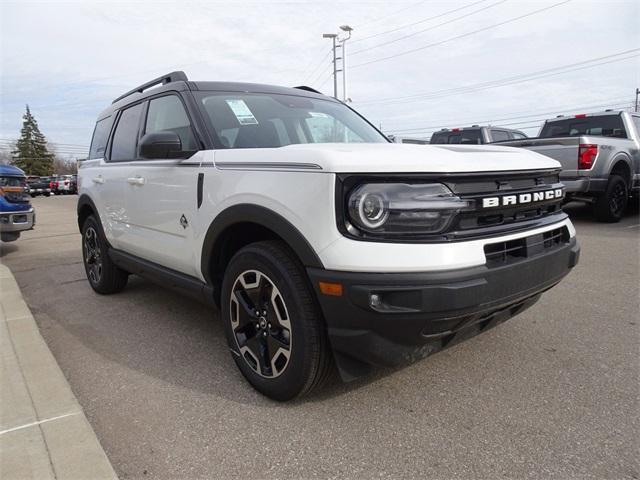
(321, 242)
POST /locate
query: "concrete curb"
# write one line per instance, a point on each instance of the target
(44, 432)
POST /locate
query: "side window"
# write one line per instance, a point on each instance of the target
(125, 138)
(499, 135)
(438, 139)
(168, 114)
(471, 137)
(100, 137)
(636, 120)
(518, 136)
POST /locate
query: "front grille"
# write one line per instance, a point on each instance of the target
(504, 253)
(476, 219)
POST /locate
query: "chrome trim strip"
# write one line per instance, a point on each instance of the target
(267, 166)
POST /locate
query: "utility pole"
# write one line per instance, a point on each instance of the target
(333, 37)
(348, 30)
(637, 93)
(343, 60)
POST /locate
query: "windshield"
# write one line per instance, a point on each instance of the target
(260, 120)
(598, 125)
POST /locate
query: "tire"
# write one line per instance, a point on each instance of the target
(9, 236)
(103, 275)
(273, 323)
(610, 206)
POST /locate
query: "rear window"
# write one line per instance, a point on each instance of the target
(462, 137)
(636, 121)
(500, 135)
(599, 125)
(100, 136)
(125, 137)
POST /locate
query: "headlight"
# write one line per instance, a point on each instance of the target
(402, 209)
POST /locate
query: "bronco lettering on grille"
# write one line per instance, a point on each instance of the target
(522, 198)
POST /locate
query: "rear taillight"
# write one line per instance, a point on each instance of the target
(586, 155)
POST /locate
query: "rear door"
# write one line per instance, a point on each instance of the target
(161, 194)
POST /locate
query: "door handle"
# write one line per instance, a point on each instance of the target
(98, 179)
(137, 180)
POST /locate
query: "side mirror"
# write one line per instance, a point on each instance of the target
(161, 145)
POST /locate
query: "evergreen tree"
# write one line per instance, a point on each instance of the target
(31, 153)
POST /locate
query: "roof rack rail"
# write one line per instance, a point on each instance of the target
(164, 79)
(308, 89)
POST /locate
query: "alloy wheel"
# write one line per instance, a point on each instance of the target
(260, 323)
(92, 255)
(617, 199)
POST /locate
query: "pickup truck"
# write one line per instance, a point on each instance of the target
(321, 242)
(16, 212)
(475, 135)
(600, 158)
(39, 186)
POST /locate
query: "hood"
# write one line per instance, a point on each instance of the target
(385, 158)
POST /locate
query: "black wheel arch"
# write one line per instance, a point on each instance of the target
(85, 208)
(242, 224)
(622, 168)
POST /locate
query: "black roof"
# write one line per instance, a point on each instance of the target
(177, 81)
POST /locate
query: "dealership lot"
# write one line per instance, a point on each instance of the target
(551, 393)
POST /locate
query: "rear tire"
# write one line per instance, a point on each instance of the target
(610, 206)
(103, 275)
(273, 323)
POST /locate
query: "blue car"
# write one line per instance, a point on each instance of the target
(16, 212)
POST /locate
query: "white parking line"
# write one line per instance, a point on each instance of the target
(27, 425)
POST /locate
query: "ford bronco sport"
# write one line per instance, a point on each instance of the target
(321, 242)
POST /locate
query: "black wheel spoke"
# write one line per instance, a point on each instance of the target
(246, 307)
(93, 258)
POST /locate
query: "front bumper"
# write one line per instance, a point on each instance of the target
(17, 221)
(417, 314)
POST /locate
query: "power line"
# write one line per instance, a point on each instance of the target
(433, 27)
(318, 65)
(505, 81)
(325, 80)
(513, 124)
(385, 17)
(517, 115)
(408, 25)
(435, 44)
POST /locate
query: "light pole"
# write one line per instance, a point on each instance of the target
(637, 93)
(348, 29)
(333, 37)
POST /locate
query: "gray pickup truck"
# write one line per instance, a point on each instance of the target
(476, 135)
(600, 157)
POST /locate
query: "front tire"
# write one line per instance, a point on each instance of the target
(273, 324)
(610, 206)
(103, 275)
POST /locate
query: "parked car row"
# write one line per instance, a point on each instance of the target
(56, 185)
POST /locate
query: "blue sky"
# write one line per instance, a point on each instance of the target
(458, 62)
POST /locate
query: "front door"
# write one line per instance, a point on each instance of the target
(162, 194)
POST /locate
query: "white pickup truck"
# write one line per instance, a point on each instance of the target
(600, 157)
(321, 242)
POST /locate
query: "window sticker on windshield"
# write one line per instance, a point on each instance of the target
(242, 112)
(319, 114)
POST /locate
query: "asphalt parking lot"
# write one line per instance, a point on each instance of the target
(553, 393)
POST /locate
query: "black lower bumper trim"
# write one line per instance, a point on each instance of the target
(390, 319)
